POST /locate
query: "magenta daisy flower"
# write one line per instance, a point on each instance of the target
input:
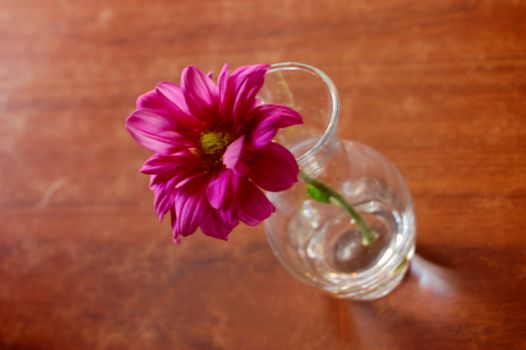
(213, 149)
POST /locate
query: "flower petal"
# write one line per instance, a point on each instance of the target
(190, 206)
(229, 217)
(222, 190)
(174, 101)
(189, 179)
(269, 119)
(254, 206)
(163, 202)
(249, 81)
(225, 88)
(173, 94)
(248, 71)
(214, 225)
(173, 220)
(222, 81)
(162, 163)
(152, 100)
(233, 156)
(156, 132)
(171, 170)
(233, 152)
(200, 93)
(237, 90)
(273, 168)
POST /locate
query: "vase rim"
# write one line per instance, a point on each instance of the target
(335, 103)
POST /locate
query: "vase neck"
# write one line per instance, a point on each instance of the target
(310, 92)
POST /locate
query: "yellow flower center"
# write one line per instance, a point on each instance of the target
(214, 144)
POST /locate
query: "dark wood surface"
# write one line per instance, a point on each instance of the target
(437, 86)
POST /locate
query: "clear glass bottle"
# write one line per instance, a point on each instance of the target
(317, 242)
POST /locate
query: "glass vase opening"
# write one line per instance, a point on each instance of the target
(320, 243)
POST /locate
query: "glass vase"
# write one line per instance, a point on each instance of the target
(320, 243)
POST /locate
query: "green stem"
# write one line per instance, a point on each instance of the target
(329, 195)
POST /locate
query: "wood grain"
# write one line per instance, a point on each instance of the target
(437, 86)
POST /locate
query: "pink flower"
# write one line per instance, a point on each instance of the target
(213, 149)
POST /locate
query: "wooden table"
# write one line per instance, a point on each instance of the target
(437, 86)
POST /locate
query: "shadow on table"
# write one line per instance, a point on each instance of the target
(476, 304)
